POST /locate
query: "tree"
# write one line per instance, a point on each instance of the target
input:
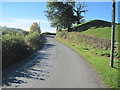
(35, 28)
(59, 16)
(64, 14)
(79, 9)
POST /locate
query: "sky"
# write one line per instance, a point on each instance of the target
(23, 14)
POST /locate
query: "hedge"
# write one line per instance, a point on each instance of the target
(17, 46)
(85, 39)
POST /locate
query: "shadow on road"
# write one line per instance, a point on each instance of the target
(50, 45)
(44, 39)
(50, 36)
(33, 70)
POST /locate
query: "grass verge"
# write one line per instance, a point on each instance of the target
(99, 63)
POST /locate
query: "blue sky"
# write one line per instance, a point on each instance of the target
(23, 14)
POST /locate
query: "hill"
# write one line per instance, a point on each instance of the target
(9, 28)
(96, 28)
(102, 32)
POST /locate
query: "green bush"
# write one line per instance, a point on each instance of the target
(13, 49)
(15, 46)
(48, 33)
(33, 40)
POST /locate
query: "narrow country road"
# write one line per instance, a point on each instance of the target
(55, 66)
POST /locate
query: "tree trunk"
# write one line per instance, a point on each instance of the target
(78, 21)
(69, 29)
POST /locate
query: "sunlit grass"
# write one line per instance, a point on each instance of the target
(102, 32)
(97, 28)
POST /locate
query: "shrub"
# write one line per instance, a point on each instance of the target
(48, 33)
(13, 49)
(33, 40)
(15, 44)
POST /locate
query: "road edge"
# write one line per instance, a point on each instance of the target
(88, 65)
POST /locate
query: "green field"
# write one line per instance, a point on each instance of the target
(103, 32)
(97, 28)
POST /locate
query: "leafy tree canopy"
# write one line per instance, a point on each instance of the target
(35, 28)
(62, 14)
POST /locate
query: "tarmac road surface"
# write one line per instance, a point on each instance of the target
(55, 66)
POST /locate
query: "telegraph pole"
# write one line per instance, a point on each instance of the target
(113, 34)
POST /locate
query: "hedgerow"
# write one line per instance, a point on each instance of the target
(88, 41)
(18, 45)
(82, 38)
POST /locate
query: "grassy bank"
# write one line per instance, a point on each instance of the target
(102, 32)
(96, 28)
(98, 61)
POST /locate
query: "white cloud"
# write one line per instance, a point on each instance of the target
(21, 23)
(25, 20)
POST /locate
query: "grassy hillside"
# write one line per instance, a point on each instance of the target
(96, 28)
(102, 32)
